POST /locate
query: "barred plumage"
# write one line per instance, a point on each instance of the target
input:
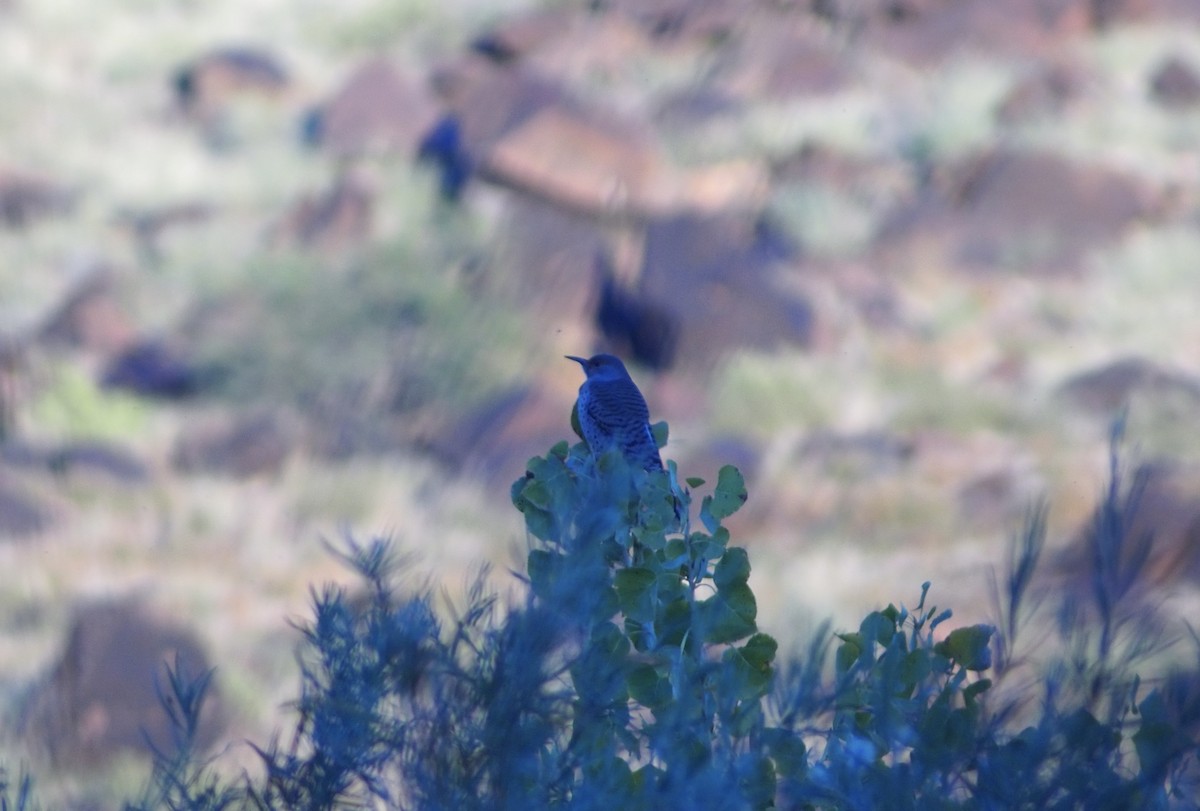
(612, 412)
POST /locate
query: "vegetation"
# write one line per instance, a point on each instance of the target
(630, 673)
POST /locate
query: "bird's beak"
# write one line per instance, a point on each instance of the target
(581, 361)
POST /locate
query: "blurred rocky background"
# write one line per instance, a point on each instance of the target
(274, 272)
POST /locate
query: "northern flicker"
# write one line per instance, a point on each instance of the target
(613, 413)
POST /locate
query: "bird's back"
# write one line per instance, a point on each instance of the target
(613, 412)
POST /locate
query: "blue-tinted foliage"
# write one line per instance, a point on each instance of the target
(632, 675)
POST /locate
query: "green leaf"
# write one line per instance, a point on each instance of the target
(518, 487)
(648, 688)
(612, 772)
(615, 471)
(745, 717)
(536, 494)
(540, 524)
(675, 554)
(642, 635)
(636, 593)
(878, 627)
(705, 547)
(599, 673)
(660, 431)
(646, 780)
(968, 646)
(849, 651)
(720, 537)
(760, 650)
(710, 522)
(756, 779)
(1157, 741)
(668, 586)
(729, 615)
(607, 637)
(525, 492)
(607, 605)
(694, 482)
(546, 486)
(675, 622)
(915, 667)
(543, 571)
(749, 667)
(733, 568)
(788, 751)
(730, 493)
(650, 537)
(978, 688)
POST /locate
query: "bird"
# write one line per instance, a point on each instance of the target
(613, 413)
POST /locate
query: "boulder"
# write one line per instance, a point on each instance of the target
(1023, 211)
(378, 109)
(104, 695)
(1176, 83)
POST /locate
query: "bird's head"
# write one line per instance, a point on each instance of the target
(601, 367)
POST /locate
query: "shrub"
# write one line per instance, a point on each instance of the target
(631, 674)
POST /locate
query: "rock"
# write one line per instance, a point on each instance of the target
(89, 316)
(672, 21)
(494, 439)
(152, 368)
(1161, 520)
(208, 83)
(521, 131)
(926, 32)
(707, 460)
(243, 446)
(722, 279)
(1044, 94)
(102, 697)
(483, 104)
(686, 110)
(518, 35)
(14, 367)
(26, 197)
(1107, 389)
(336, 219)
(777, 58)
(492, 101)
(1106, 14)
(554, 251)
(1176, 83)
(997, 499)
(817, 163)
(21, 514)
(598, 45)
(633, 325)
(378, 109)
(581, 164)
(727, 187)
(84, 457)
(96, 457)
(147, 226)
(873, 453)
(607, 171)
(1017, 211)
